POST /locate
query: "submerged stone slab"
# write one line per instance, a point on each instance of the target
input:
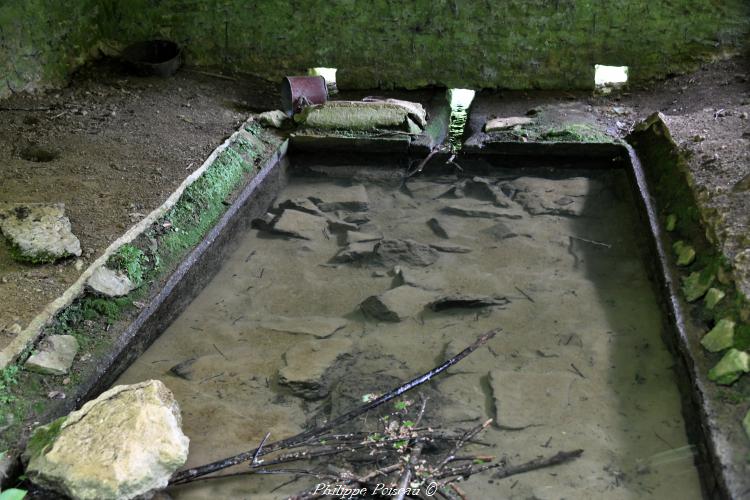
(301, 205)
(317, 326)
(523, 399)
(110, 283)
(307, 365)
(360, 237)
(540, 196)
(483, 210)
(355, 252)
(54, 356)
(352, 198)
(39, 232)
(125, 443)
(397, 304)
(481, 189)
(300, 225)
(391, 252)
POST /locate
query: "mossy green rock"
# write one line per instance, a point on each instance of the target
(720, 337)
(730, 367)
(685, 253)
(746, 423)
(697, 284)
(713, 297)
(671, 222)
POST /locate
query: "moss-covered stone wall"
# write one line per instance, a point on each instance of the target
(475, 43)
(386, 43)
(42, 41)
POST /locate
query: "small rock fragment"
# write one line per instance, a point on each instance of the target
(275, 119)
(390, 252)
(397, 304)
(481, 210)
(302, 205)
(466, 302)
(481, 189)
(671, 222)
(437, 228)
(317, 326)
(720, 337)
(713, 297)
(451, 248)
(501, 231)
(184, 369)
(54, 356)
(730, 367)
(685, 253)
(110, 283)
(697, 284)
(360, 237)
(497, 124)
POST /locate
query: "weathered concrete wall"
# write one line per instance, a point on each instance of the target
(385, 43)
(475, 43)
(42, 41)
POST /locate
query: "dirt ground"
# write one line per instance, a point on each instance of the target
(121, 144)
(116, 146)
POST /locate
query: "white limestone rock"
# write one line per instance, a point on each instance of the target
(39, 231)
(110, 283)
(125, 443)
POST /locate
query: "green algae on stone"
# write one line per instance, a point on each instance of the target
(43, 437)
(713, 297)
(685, 253)
(746, 423)
(354, 115)
(697, 284)
(720, 337)
(671, 222)
(730, 367)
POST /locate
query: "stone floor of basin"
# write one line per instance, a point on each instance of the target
(280, 339)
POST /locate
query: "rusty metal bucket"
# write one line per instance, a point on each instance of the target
(300, 91)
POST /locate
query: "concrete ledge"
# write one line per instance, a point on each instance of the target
(721, 408)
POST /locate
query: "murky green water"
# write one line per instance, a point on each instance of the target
(579, 362)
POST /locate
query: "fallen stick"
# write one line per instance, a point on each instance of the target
(192, 474)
